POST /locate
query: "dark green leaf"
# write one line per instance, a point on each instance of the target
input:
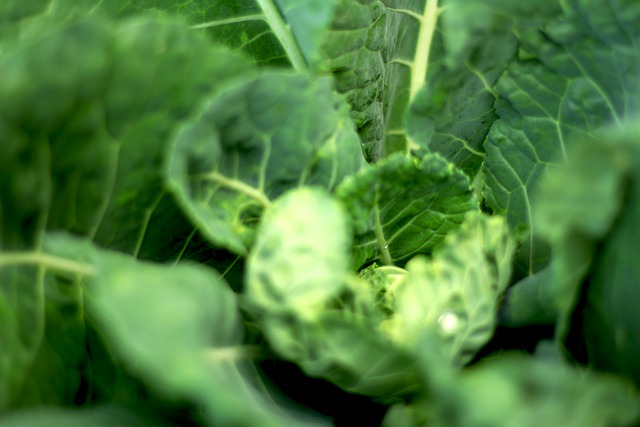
(186, 342)
(253, 143)
(106, 416)
(79, 153)
(403, 206)
(569, 86)
(355, 51)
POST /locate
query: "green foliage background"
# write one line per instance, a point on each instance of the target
(363, 194)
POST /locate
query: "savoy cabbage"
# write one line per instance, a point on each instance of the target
(319, 212)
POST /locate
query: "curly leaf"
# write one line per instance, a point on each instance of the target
(456, 293)
(255, 142)
(299, 261)
(476, 41)
(403, 206)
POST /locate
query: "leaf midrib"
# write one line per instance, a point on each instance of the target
(283, 33)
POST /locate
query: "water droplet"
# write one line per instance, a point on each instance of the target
(386, 246)
(449, 321)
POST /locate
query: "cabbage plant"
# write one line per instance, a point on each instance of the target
(396, 213)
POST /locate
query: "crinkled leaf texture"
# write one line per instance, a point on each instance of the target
(403, 206)
(296, 274)
(254, 142)
(455, 294)
(475, 43)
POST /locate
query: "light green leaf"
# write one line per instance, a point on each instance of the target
(299, 261)
(456, 293)
(253, 143)
(350, 353)
(568, 87)
(403, 206)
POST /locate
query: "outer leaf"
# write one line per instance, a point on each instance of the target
(187, 338)
(474, 44)
(115, 142)
(594, 275)
(514, 391)
(403, 206)
(80, 153)
(308, 20)
(453, 112)
(55, 374)
(378, 53)
(272, 32)
(355, 51)
(255, 142)
(569, 90)
(576, 206)
(21, 328)
(19, 18)
(456, 293)
(611, 321)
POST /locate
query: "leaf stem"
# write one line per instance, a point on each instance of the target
(47, 261)
(283, 33)
(382, 243)
(428, 22)
(420, 64)
(240, 186)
